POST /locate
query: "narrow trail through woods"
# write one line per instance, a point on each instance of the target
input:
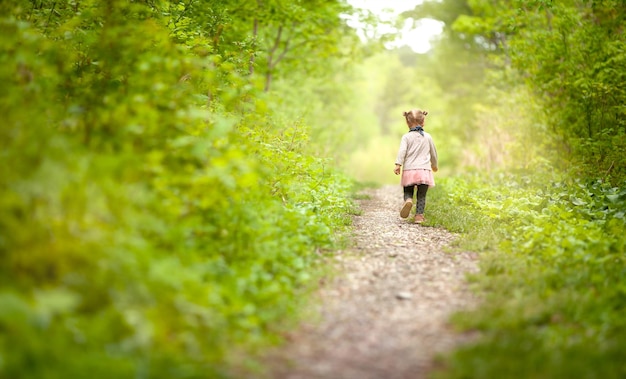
(385, 314)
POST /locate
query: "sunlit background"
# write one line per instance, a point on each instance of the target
(391, 83)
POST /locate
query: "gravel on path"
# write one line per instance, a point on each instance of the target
(385, 315)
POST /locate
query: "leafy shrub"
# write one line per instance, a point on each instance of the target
(146, 230)
(553, 280)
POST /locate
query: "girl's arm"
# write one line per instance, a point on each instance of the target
(401, 155)
(433, 156)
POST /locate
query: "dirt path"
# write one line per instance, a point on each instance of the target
(385, 315)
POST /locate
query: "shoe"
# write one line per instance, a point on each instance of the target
(406, 208)
(419, 219)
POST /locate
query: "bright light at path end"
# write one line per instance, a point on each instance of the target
(418, 37)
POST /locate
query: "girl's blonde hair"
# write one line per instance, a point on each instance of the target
(415, 116)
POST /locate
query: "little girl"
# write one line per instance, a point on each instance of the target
(418, 158)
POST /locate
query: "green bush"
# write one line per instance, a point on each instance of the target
(552, 279)
(146, 231)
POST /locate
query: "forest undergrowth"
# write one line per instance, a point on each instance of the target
(552, 276)
(159, 216)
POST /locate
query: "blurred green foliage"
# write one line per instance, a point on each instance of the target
(552, 275)
(158, 213)
(565, 58)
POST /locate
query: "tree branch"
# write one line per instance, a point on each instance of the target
(272, 51)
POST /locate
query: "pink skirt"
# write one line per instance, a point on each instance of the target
(415, 177)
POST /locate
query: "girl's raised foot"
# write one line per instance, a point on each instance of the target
(406, 208)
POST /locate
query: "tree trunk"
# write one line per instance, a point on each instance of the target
(255, 33)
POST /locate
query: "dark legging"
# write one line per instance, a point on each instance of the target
(421, 196)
